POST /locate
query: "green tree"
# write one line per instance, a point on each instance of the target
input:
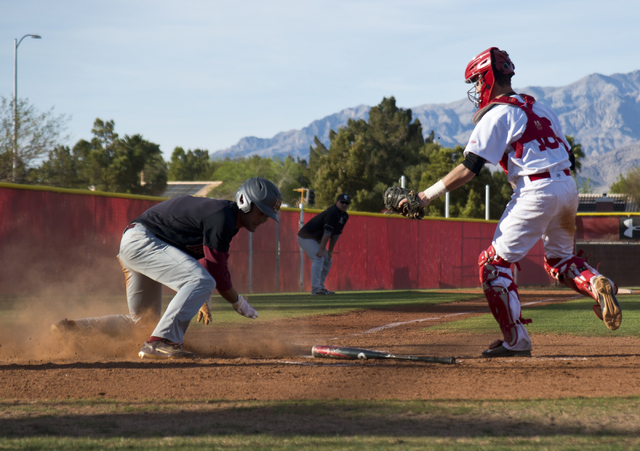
(60, 169)
(191, 166)
(578, 152)
(365, 157)
(104, 133)
(38, 134)
(152, 178)
(466, 201)
(234, 171)
(474, 207)
(291, 174)
(585, 186)
(106, 163)
(628, 184)
(285, 173)
(112, 164)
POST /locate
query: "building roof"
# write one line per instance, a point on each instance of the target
(619, 203)
(198, 189)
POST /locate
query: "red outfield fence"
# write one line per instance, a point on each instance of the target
(52, 236)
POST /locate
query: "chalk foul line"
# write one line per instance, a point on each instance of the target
(433, 318)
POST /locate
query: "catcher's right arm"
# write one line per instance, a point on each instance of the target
(411, 208)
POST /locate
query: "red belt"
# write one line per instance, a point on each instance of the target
(545, 175)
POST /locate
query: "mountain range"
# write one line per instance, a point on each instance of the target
(603, 170)
(602, 112)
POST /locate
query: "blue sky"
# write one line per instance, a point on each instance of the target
(203, 74)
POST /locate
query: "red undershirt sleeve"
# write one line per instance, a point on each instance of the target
(215, 262)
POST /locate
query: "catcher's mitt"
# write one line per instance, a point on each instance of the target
(411, 208)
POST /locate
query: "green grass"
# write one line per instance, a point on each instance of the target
(288, 305)
(571, 424)
(571, 317)
(568, 318)
(274, 306)
(565, 424)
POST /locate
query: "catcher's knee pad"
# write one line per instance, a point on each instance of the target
(498, 294)
(489, 262)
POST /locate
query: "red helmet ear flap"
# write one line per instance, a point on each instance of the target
(502, 63)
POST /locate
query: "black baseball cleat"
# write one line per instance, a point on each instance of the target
(501, 351)
(329, 293)
(164, 350)
(320, 293)
(610, 312)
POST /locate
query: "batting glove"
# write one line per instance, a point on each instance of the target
(244, 308)
(204, 314)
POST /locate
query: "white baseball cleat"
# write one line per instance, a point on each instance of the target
(164, 350)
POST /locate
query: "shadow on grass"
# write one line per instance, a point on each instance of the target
(147, 365)
(315, 419)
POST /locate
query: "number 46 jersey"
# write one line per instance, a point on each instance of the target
(522, 135)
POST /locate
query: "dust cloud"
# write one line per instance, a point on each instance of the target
(42, 285)
(79, 291)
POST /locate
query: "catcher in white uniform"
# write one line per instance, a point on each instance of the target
(526, 139)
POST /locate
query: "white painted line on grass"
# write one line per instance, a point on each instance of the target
(402, 323)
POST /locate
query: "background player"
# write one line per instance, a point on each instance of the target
(162, 247)
(526, 139)
(313, 237)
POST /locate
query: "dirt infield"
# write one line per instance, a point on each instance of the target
(270, 360)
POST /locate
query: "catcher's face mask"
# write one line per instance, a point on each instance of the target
(475, 92)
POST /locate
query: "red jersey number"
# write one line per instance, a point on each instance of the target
(547, 143)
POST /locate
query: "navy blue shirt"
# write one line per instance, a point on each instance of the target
(329, 222)
(189, 223)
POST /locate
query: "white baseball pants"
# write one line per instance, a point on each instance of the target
(540, 209)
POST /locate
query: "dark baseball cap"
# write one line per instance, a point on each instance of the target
(344, 198)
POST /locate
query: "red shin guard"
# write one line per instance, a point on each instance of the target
(497, 295)
(574, 272)
(578, 275)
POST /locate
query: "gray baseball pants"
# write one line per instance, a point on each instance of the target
(148, 263)
(320, 266)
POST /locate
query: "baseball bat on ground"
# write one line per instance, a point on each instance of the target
(338, 352)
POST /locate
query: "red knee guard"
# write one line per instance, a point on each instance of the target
(489, 257)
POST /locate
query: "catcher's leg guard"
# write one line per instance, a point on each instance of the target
(502, 296)
(581, 277)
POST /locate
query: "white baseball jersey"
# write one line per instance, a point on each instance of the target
(496, 139)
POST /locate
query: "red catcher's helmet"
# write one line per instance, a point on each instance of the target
(482, 70)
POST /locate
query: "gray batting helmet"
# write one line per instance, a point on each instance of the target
(262, 193)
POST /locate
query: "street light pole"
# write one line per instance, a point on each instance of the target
(16, 43)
